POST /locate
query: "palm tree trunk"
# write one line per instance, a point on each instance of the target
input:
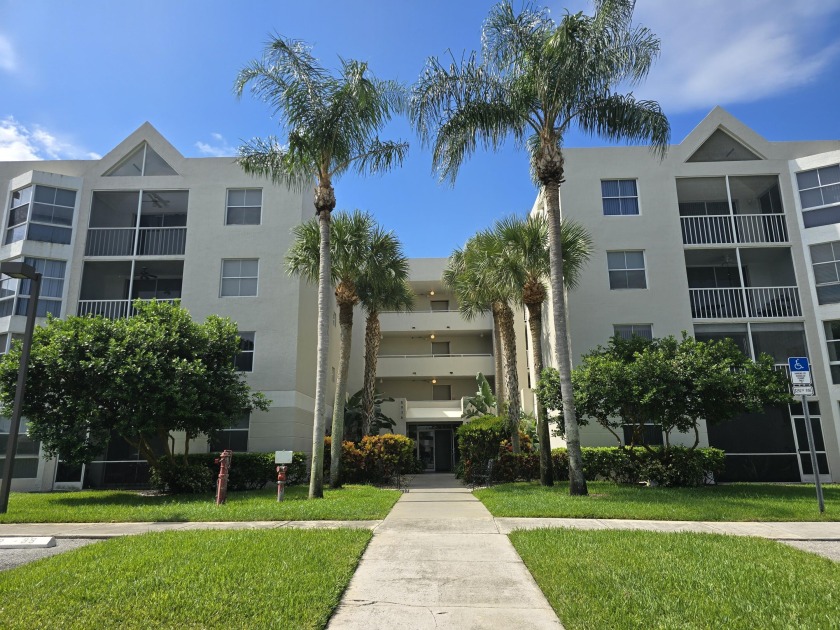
(324, 203)
(508, 335)
(373, 336)
(345, 320)
(498, 381)
(577, 482)
(535, 327)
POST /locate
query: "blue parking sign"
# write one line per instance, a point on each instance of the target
(799, 364)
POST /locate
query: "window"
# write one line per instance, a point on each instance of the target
(234, 438)
(627, 270)
(26, 454)
(440, 348)
(647, 434)
(439, 305)
(441, 392)
(626, 331)
(46, 215)
(825, 259)
(832, 340)
(14, 294)
(245, 358)
(244, 206)
(818, 188)
(143, 161)
(239, 277)
(619, 197)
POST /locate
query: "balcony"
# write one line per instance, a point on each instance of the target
(738, 229)
(149, 241)
(431, 320)
(752, 302)
(426, 365)
(110, 309)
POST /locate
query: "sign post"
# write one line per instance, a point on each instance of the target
(800, 378)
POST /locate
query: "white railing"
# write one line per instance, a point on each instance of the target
(110, 242)
(426, 356)
(716, 303)
(162, 241)
(761, 228)
(110, 309)
(749, 228)
(151, 241)
(756, 302)
(774, 302)
(423, 310)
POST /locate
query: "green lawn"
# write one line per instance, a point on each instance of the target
(735, 502)
(646, 580)
(199, 579)
(113, 506)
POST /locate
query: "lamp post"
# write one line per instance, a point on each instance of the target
(21, 271)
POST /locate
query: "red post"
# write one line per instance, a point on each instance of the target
(281, 482)
(224, 468)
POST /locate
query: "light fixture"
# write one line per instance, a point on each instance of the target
(431, 292)
(432, 336)
(434, 381)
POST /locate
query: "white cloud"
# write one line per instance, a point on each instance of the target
(219, 147)
(18, 142)
(718, 52)
(8, 60)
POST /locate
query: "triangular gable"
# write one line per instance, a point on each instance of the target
(721, 147)
(144, 152)
(720, 136)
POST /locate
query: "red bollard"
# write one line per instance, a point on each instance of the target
(224, 468)
(281, 482)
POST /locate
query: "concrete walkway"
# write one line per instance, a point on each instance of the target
(439, 561)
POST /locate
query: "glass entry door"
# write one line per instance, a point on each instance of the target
(426, 448)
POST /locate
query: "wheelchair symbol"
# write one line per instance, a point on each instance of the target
(798, 366)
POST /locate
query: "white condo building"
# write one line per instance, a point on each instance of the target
(729, 236)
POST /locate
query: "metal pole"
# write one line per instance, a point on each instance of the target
(11, 446)
(810, 433)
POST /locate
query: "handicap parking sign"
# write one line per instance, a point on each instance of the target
(800, 370)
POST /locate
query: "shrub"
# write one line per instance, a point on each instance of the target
(376, 459)
(480, 441)
(180, 478)
(352, 461)
(252, 471)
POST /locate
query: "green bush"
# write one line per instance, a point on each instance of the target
(480, 441)
(252, 471)
(376, 459)
(179, 478)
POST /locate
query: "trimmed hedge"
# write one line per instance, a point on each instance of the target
(376, 459)
(248, 471)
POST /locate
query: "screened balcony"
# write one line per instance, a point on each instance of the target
(764, 287)
(109, 288)
(743, 210)
(135, 223)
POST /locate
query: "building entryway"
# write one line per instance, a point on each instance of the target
(435, 445)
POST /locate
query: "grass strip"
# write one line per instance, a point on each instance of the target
(731, 502)
(351, 503)
(199, 579)
(647, 580)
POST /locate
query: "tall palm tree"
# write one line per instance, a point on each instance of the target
(524, 266)
(385, 287)
(535, 81)
(471, 277)
(351, 258)
(332, 122)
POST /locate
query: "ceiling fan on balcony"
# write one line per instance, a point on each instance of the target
(145, 275)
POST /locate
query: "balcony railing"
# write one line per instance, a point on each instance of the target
(755, 302)
(151, 241)
(748, 228)
(110, 309)
(427, 356)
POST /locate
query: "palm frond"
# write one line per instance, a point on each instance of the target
(290, 166)
(622, 117)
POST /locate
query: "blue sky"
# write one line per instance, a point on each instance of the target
(78, 77)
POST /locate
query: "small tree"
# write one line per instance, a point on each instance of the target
(142, 378)
(672, 383)
(483, 403)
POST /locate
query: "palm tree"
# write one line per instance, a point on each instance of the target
(332, 122)
(471, 277)
(385, 287)
(537, 80)
(523, 266)
(351, 258)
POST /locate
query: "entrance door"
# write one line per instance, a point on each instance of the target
(443, 450)
(426, 448)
